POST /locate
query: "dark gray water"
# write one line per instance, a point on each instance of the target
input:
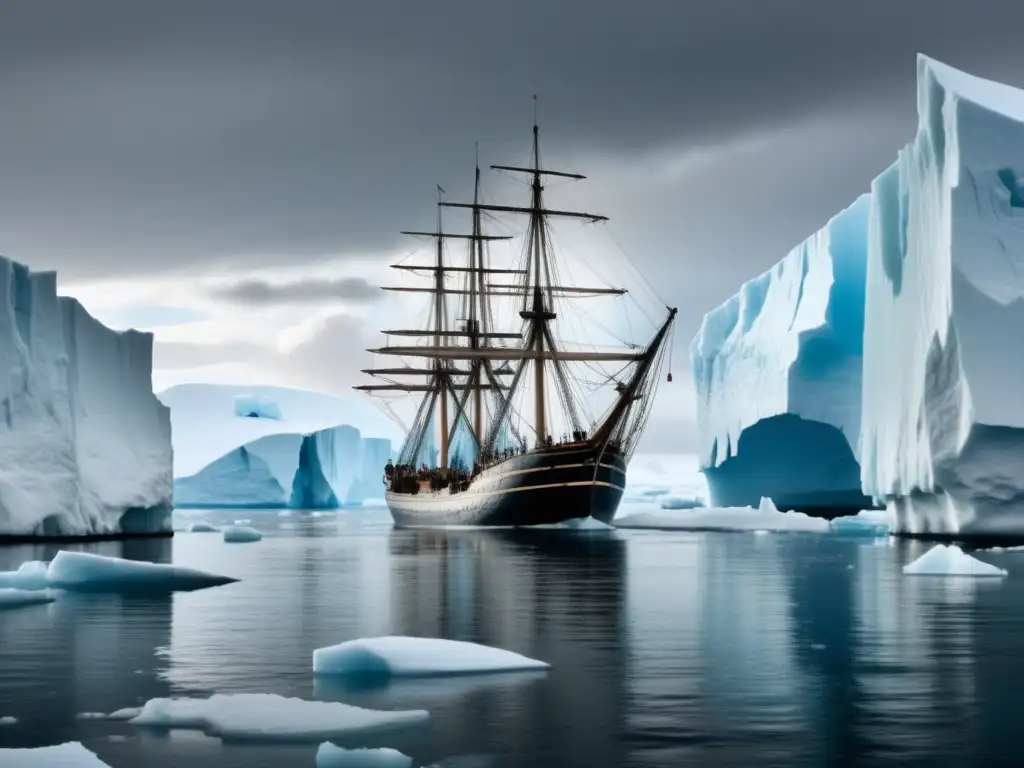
(667, 649)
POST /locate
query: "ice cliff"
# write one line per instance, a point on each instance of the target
(942, 437)
(325, 469)
(85, 446)
(893, 330)
(777, 370)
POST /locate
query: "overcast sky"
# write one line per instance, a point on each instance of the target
(176, 162)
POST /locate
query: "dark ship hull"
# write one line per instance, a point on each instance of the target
(545, 486)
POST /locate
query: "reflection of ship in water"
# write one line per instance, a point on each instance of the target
(551, 595)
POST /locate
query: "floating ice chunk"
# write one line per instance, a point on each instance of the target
(256, 407)
(330, 756)
(241, 534)
(83, 572)
(69, 755)
(203, 528)
(393, 656)
(269, 717)
(8, 720)
(761, 532)
(30, 575)
(679, 502)
(14, 598)
(865, 523)
(942, 560)
(765, 518)
(574, 524)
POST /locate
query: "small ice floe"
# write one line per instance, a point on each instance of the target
(241, 534)
(761, 532)
(30, 575)
(268, 717)
(122, 714)
(766, 517)
(942, 560)
(202, 528)
(574, 524)
(681, 502)
(69, 755)
(84, 572)
(867, 522)
(15, 598)
(330, 756)
(8, 720)
(381, 658)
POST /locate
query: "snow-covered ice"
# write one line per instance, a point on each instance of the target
(943, 560)
(766, 517)
(30, 575)
(69, 755)
(203, 528)
(85, 572)
(777, 370)
(395, 656)
(85, 446)
(272, 718)
(256, 407)
(241, 534)
(942, 437)
(15, 598)
(330, 756)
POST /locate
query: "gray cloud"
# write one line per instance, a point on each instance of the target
(309, 290)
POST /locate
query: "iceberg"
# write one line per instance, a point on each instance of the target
(84, 572)
(869, 522)
(765, 518)
(777, 371)
(330, 756)
(30, 575)
(69, 755)
(15, 598)
(206, 426)
(268, 717)
(326, 469)
(382, 658)
(942, 437)
(942, 560)
(85, 446)
(241, 534)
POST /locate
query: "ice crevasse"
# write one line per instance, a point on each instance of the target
(85, 445)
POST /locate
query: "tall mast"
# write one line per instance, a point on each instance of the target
(477, 293)
(440, 375)
(538, 315)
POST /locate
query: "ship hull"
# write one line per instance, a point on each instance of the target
(541, 487)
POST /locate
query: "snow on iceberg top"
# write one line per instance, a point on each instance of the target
(942, 560)
(271, 718)
(395, 656)
(994, 96)
(84, 572)
(69, 755)
(204, 425)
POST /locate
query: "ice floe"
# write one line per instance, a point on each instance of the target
(85, 572)
(272, 718)
(69, 755)
(30, 575)
(943, 560)
(395, 656)
(330, 756)
(766, 517)
(241, 534)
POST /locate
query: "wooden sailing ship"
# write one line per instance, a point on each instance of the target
(510, 474)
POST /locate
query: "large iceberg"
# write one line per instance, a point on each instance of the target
(85, 446)
(777, 370)
(942, 436)
(326, 469)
